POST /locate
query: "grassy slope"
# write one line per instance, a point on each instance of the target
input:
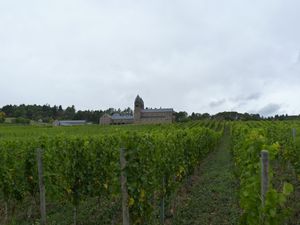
(213, 199)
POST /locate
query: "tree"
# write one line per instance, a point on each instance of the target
(70, 113)
(181, 116)
(54, 111)
(128, 111)
(9, 110)
(199, 116)
(20, 111)
(60, 112)
(2, 117)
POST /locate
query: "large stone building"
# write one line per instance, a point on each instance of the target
(141, 115)
(116, 118)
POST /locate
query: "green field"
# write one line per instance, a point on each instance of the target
(205, 172)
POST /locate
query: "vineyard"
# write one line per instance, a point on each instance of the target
(87, 171)
(279, 139)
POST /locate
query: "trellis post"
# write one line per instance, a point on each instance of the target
(125, 209)
(294, 133)
(41, 186)
(264, 175)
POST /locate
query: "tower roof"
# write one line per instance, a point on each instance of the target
(139, 102)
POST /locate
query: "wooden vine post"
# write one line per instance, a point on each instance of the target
(264, 175)
(5, 212)
(125, 209)
(294, 134)
(162, 202)
(41, 186)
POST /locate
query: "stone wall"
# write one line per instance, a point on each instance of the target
(105, 120)
(155, 117)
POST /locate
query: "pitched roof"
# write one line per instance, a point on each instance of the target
(71, 122)
(117, 116)
(158, 110)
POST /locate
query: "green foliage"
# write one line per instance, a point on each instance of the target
(48, 113)
(247, 145)
(170, 155)
(2, 117)
(181, 116)
(22, 120)
(78, 167)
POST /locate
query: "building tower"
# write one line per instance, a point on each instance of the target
(138, 107)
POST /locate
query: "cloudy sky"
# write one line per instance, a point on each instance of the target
(192, 55)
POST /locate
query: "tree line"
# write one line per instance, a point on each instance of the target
(47, 114)
(183, 116)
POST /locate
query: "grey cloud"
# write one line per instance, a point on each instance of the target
(217, 103)
(184, 54)
(253, 96)
(243, 98)
(270, 109)
(298, 57)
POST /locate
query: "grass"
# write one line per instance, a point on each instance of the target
(92, 211)
(213, 198)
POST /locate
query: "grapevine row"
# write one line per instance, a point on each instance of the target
(77, 168)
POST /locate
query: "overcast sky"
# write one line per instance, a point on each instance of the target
(192, 55)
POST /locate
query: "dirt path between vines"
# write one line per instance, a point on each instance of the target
(213, 197)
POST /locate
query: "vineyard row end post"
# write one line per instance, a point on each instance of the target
(41, 186)
(294, 133)
(124, 189)
(162, 203)
(264, 175)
